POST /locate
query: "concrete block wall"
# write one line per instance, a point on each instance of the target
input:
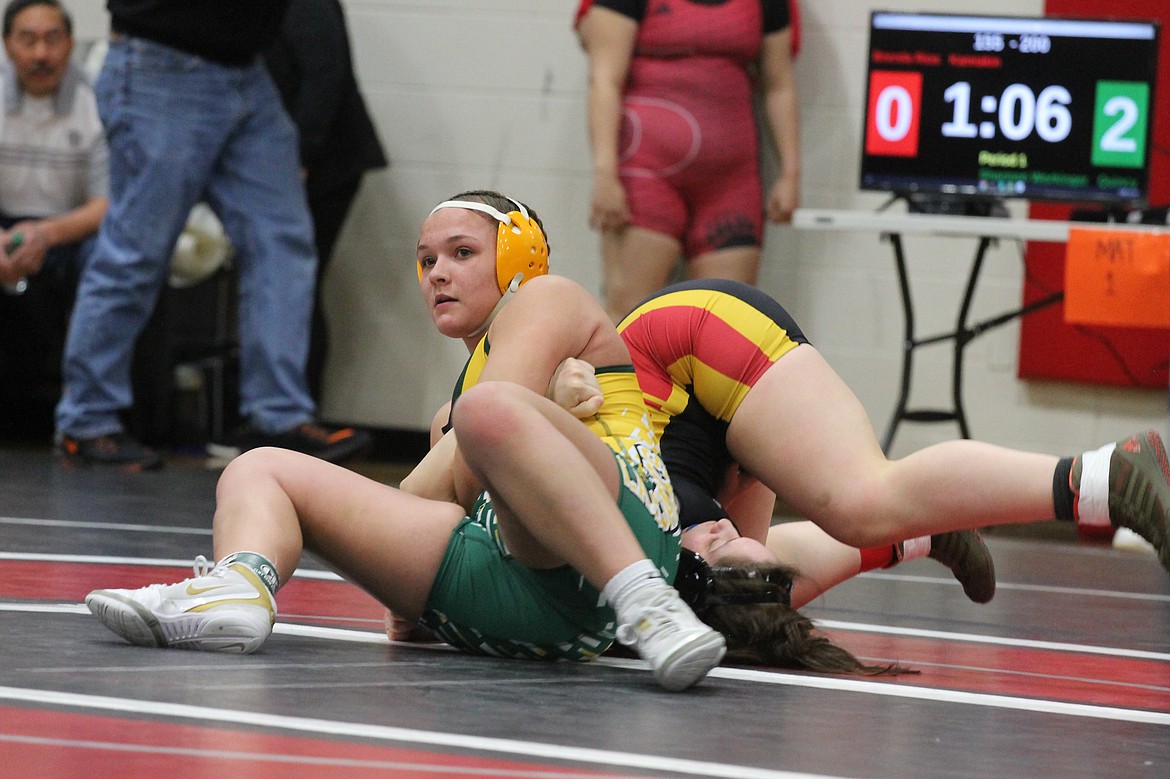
(491, 93)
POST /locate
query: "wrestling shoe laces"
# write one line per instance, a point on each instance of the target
(968, 558)
(220, 609)
(1139, 490)
(679, 647)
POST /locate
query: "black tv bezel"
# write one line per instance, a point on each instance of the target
(944, 195)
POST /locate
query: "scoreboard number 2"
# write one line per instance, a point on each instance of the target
(1119, 124)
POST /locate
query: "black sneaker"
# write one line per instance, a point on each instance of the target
(332, 444)
(116, 449)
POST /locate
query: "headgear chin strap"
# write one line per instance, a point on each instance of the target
(695, 582)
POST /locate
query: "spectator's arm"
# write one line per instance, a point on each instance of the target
(778, 84)
(608, 39)
(38, 236)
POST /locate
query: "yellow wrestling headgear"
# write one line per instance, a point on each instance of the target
(521, 248)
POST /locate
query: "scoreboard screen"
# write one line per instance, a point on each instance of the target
(1009, 107)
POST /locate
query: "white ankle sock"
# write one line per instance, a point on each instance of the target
(630, 580)
(913, 548)
(1093, 492)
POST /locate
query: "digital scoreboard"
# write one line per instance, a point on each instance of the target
(986, 107)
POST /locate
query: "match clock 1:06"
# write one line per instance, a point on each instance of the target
(1012, 113)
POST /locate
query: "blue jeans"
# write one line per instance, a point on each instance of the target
(182, 129)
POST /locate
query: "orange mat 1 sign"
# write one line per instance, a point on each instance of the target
(1050, 346)
(1117, 277)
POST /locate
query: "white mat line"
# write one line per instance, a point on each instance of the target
(796, 680)
(147, 562)
(1075, 591)
(329, 575)
(363, 636)
(978, 638)
(351, 730)
(130, 528)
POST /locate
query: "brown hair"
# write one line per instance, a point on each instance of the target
(503, 204)
(772, 632)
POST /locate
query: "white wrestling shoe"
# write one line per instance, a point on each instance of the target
(680, 648)
(221, 609)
